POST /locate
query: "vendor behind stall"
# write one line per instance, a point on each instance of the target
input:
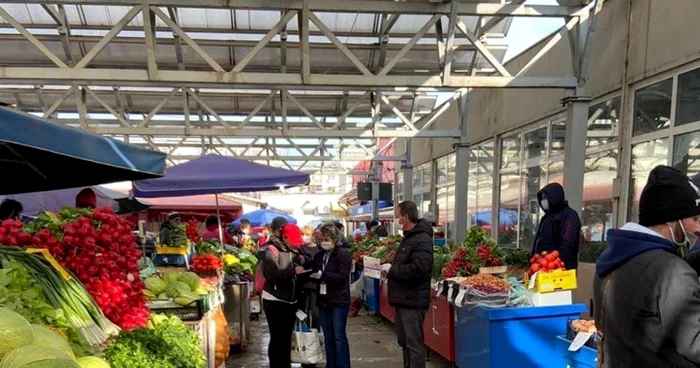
(560, 227)
(212, 232)
(165, 228)
(377, 229)
(86, 199)
(11, 210)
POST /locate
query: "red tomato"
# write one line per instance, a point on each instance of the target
(543, 263)
(551, 266)
(550, 257)
(535, 267)
(544, 253)
(562, 265)
(556, 253)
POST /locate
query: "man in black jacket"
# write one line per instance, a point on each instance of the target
(409, 283)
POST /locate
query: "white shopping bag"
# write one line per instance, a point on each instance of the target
(306, 345)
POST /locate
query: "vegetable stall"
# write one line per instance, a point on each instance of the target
(214, 174)
(487, 298)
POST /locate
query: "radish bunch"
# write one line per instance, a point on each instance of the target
(101, 251)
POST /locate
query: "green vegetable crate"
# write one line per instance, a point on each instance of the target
(192, 312)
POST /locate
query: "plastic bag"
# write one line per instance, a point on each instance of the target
(518, 294)
(306, 346)
(472, 297)
(356, 288)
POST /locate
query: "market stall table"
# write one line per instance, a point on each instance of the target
(386, 310)
(438, 327)
(370, 294)
(512, 337)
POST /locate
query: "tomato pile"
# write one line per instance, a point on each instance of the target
(192, 231)
(100, 249)
(546, 262)
(206, 263)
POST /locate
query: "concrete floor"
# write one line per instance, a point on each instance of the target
(372, 344)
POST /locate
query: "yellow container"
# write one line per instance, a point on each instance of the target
(161, 249)
(555, 281)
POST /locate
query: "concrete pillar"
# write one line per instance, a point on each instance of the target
(575, 149)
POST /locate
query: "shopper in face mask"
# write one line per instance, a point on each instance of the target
(560, 227)
(646, 297)
(333, 264)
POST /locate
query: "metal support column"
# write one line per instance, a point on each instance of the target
(375, 179)
(461, 214)
(407, 167)
(575, 149)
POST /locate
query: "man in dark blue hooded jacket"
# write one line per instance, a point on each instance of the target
(646, 296)
(560, 227)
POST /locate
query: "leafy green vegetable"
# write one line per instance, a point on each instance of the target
(518, 257)
(37, 356)
(189, 278)
(45, 337)
(15, 331)
(155, 284)
(92, 362)
(167, 343)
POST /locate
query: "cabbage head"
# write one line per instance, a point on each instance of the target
(155, 284)
(44, 336)
(36, 356)
(191, 279)
(175, 288)
(92, 362)
(15, 331)
(170, 277)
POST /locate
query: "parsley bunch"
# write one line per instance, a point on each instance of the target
(166, 343)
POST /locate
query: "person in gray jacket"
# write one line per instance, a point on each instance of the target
(646, 296)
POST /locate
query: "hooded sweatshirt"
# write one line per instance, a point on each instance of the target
(559, 228)
(410, 272)
(646, 302)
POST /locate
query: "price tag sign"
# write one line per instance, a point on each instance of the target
(460, 296)
(531, 285)
(450, 295)
(437, 286)
(580, 339)
(301, 315)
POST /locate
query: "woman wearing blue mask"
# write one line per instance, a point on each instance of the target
(333, 264)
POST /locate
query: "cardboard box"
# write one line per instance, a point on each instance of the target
(550, 299)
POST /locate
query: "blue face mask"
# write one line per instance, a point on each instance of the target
(545, 204)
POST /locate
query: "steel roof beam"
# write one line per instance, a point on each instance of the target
(274, 157)
(343, 6)
(202, 79)
(274, 133)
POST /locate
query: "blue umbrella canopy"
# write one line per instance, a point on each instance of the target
(38, 155)
(214, 174)
(262, 218)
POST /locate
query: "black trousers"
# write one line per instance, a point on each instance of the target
(280, 320)
(409, 332)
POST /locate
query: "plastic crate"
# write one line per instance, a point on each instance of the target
(571, 334)
(583, 358)
(192, 312)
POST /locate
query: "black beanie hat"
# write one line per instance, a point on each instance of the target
(668, 196)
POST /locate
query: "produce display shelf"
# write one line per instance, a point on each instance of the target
(386, 310)
(583, 358)
(438, 327)
(193, 312)
(370, 294)
(511, 337)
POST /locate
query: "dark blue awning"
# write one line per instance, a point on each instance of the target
(38, 155)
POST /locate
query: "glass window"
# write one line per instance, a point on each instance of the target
(510, 153)
(535, 144)
(686, 153)
(450, 217)
(603, 122)
(510, 198)
(399, 187)
(442, 206)
(555, 173)
(427, 175)
(556, 146)
(652, 107)
(597, 214)
(645, 156)
(418, 200)
(688, 105)
(533, 179)
(451, 167)
(417, 178)
(427, 201)
(442, 171)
